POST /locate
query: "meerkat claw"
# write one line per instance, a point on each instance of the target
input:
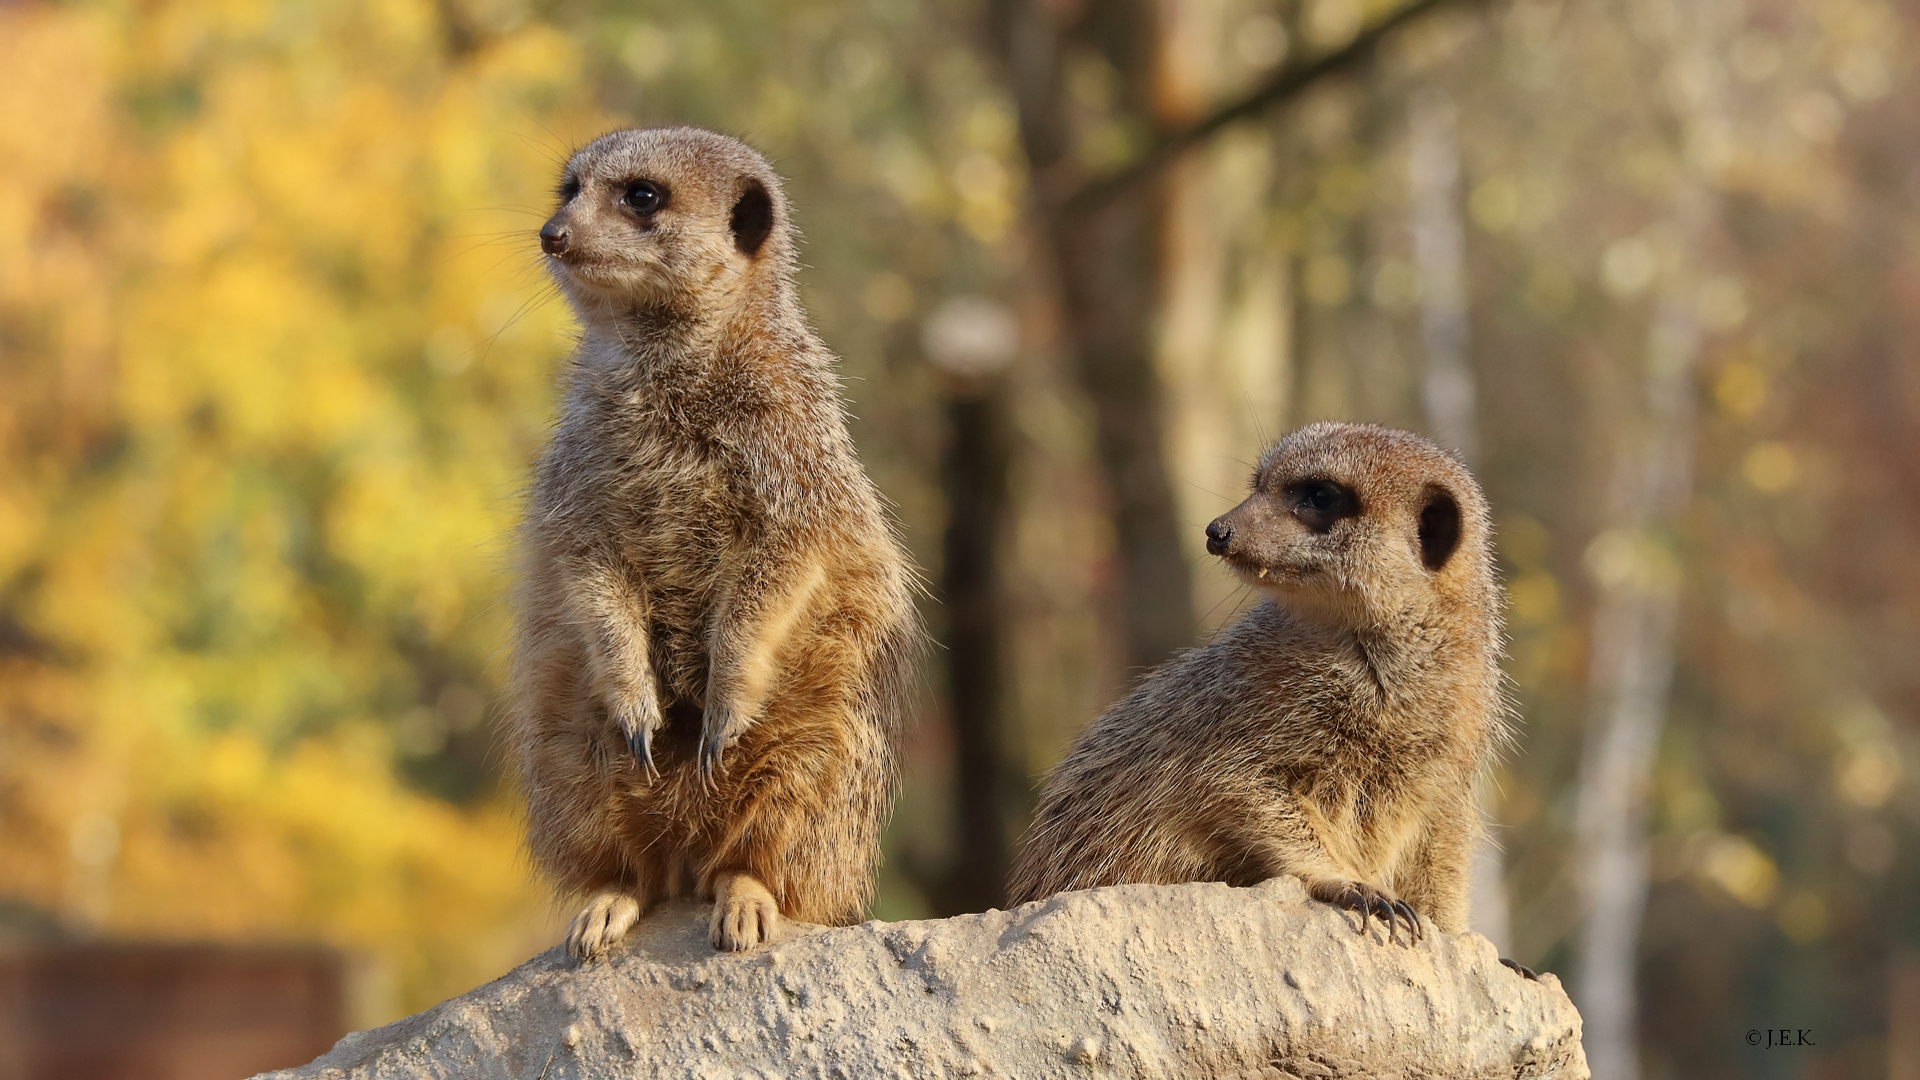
(718, 729)
(745, 913)
(1389, 914)
(1358, 899)
(1521, 969)
(710, 751)
(1350, 897)
(638, 723)
(640, 744)
(1415, 932)
(1368, 901)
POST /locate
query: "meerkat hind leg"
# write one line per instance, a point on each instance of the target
(744, 913)
(605, 920)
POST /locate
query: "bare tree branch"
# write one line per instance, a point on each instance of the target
(1287, 83)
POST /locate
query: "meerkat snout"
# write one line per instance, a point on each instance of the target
(1219, 535)
(553, 238)
(1288, 531)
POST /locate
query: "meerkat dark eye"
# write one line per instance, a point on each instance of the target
(1320, 503)
(1439, 528)
(645, 197)
(752, 218)
(569, 190)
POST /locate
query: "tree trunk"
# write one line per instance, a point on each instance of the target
(1109, 276)
(974, 477)
(1106, 265)
(1440, 253)
(1633, 640)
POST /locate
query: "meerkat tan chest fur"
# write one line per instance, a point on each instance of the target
(716, 633)
(1333, 732)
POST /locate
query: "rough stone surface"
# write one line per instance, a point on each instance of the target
(1133, 981)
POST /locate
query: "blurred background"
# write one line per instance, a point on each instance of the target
(276, 350)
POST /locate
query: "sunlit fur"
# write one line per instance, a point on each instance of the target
(1333, 732)
(706, 567)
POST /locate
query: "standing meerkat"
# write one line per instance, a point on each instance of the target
(1335, 731)
(716, 633)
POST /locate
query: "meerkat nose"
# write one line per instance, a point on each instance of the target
(554, 238)
(1218, 533)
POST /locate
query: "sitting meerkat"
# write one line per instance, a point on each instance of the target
(716, 633)
(1334, 731)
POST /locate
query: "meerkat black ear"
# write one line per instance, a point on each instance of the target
(752, 218)
(1439, 528)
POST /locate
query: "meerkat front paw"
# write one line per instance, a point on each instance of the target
(1370, 900)
(744, 913)
(604, 921)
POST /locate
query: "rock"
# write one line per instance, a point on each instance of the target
(1134, 981)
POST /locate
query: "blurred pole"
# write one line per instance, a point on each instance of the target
(1447, 391)
(1637, 572)
(971, 340)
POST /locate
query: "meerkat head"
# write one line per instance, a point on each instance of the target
(665, 217)
(1359, 524)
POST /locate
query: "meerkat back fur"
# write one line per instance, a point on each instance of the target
(716, 633)
(1335, 731)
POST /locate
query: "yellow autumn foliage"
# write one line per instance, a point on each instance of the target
(274, 353)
